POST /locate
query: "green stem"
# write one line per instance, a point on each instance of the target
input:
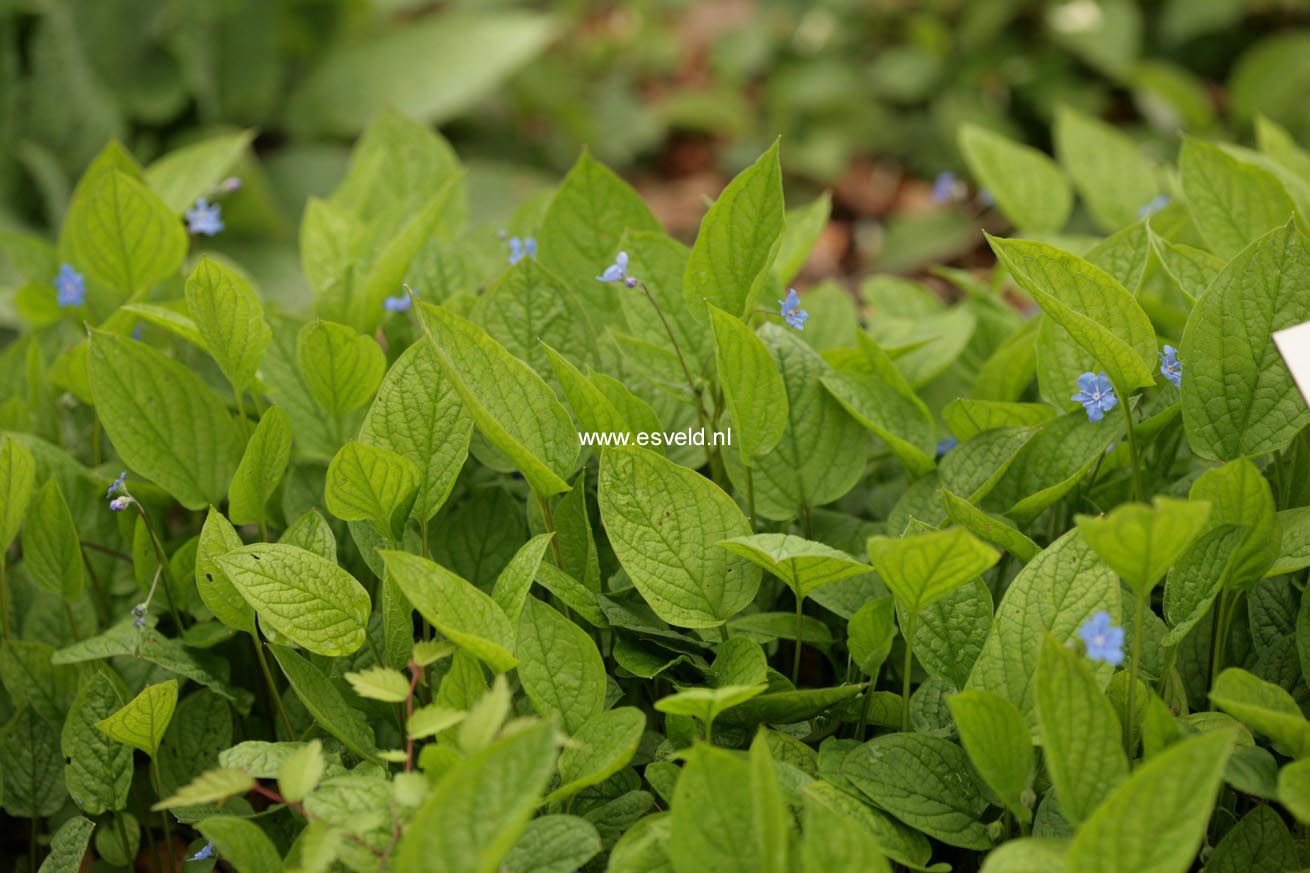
(549, 519)
(1130, 716)
(1133, 449)
(4, 598)
(1219, 633)
(122, 830)
(677, 349)
(272, 686)
(796, 657)
(750, 497)
(909, 666)
(168, 828)
(163, 565)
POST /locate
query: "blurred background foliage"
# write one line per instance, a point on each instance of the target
(675, 94)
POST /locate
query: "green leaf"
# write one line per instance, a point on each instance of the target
(1141, 542)
(1294, 789)
(1099, 314)
(1259, 843)
(511, 405)
(211, 786)
(925, 782)
(713, 818)
(312, 601)
(261, 468)
(1028, 855)
(229, 318)
(418, 414)
(142, 721)
(1055, 594)
(897, 841)
(341, 368)
(326, 704)
(477, 812)
(559, 666)
(1264, 707)
(17, 471)
(920, 570)
(996, 739)
(995, 529)
(241, 843)
(584, 225)
(707, 704)
(802, 565)
(601, 746)
(1111, 174)
(185, 174)
(1240, 495)
(869, 634)
(1029, 187)
(515, 581)
(32, 676)
(1082, 741)
(121, 234)
(365, 483)
(68, 846)
(98, 771)
(1232, 202)
(164, 421)
(554, 844)
(471, 53)
(430, 720)
(1155, 821)
(804, 225)
(752, 387)
(1239, 399)
(380, 683)
(466, 616)
(738, 239)
(217, 538)
(301, 771)
(30, 766)
(835, 841)
(665, 522)
(52, 553)
(1294, 552)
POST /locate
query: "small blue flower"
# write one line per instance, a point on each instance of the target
(118, 504)
(207, 851)
(136, 331)
(1154, 205)
(1096, 394)
(617, 271)
(946, 445)
(399, 303)
(139, 616)
(944, 187)
(1104, 641)
(70, 287)
(521, 248)
(119, 484)
(790, 310)
(1170, 367)
(204, 218)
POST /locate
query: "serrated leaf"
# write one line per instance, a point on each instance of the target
(468, 617)
(511, 405)
(1028, 186)
(921, 569)
(230, 319)
(1155, 821)
(380, 683)
(477, 812)
(802, 565)
(142, 721)
(312, 601)
(430, 720)
(365, 483)
(121, 234)
(164, 421)
(301, 771)
(52, 553)
(341, 368)
(559, 666)
(1239, 399)
(738, 239)
(752, 386)
(418, 414)
(665, 522)
(211, 786)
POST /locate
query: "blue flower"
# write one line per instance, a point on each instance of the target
(946, 445)
(1170, 367)
(204, 218)
(944, 187)
(207, 851)
(70, 286)
(618, 271)
(139, 616)
(119, 484)
(1104, 642)
(791, 311)
(520, 248)
(399, 303)
(118, 504)
(1154, 205)
(1096, 394)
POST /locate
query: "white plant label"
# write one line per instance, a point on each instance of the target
(1294, 345)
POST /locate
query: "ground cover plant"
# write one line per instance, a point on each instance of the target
(1013, 583)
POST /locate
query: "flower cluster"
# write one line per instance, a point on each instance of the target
(618, 271)
(118, 496)
(522, 248)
